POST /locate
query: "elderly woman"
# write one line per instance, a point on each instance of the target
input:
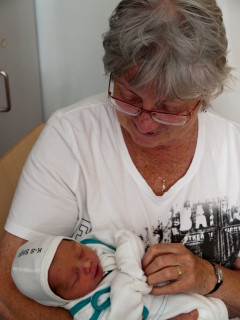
(132, 158)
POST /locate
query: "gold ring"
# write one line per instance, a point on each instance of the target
(179, 269)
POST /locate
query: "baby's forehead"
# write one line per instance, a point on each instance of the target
(69, 241)
(65, 248)
(67, 244)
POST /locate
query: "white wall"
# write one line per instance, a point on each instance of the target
(70, 45)
(228, 103)
(70, 49)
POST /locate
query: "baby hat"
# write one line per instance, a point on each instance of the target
(30, 269)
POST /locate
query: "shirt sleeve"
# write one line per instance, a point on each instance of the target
(45, 201)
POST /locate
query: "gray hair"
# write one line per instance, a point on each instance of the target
(178, 45)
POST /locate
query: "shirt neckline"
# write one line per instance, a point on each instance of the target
(130, 166)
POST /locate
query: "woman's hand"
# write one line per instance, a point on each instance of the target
(177, 269)
(187, 316)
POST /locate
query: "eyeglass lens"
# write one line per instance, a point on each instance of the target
(158, 117)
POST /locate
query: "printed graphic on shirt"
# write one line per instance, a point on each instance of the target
(210, 229)
(83, 229)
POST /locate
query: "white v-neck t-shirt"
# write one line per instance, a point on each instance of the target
(80, 177)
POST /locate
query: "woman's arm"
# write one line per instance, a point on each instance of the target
(198, 275)
(13, 305)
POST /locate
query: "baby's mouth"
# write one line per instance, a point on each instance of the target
(96, 271)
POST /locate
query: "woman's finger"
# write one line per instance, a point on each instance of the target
(161, 249)
(193, 315)
(173, 273)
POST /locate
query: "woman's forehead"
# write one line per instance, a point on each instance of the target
(148, 91)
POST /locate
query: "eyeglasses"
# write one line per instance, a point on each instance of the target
(157, 116)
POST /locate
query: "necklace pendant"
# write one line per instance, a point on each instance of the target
(163, 185)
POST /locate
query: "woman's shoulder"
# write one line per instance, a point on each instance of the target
(213, 116)
(219, 133)
(88, 114)
(218, 125)
(89, 104)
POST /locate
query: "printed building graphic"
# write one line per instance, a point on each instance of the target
(215, 232)
(210, 229)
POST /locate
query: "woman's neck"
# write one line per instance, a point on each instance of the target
(166, 162)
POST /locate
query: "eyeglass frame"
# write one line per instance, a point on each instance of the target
(141, 110)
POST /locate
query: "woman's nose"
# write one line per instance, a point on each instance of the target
(145, 123)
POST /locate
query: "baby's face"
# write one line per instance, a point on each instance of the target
(75, 270)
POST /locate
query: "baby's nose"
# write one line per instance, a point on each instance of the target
(86, 266)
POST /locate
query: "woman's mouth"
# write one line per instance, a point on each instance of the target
(149, 133)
